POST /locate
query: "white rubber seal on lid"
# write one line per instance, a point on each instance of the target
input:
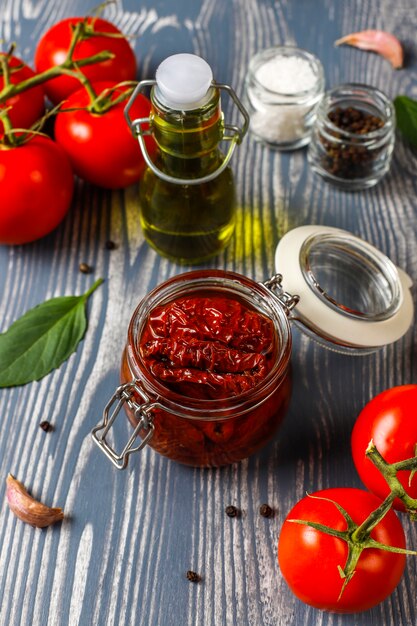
(322, 315)
(183, 81)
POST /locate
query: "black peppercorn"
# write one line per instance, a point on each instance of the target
(193, 577)
(85, 268)
(266, 511)
(110, 245)
(46, 426)
(232, 511)
(345, 157)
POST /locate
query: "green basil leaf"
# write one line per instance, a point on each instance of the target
(42, 338)
(406, 112)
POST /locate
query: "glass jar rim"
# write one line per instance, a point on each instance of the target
(261, 57)
(216, 280)
(348, 91)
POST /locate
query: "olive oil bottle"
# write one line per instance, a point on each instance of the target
(187, 194)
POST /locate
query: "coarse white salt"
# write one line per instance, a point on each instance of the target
(286, 75)
(283, 87)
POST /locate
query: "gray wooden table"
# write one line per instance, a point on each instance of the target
(120, 556)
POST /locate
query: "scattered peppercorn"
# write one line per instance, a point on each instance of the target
(46, 426)
(193, 577)
(347, 157)
(232, 511)
(85, 268)
(266, 511)
(110, 245)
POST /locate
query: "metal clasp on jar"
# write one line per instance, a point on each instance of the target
(143, 412)
(288, 301)
(235, 137)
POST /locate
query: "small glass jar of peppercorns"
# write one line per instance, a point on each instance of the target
(354, 136)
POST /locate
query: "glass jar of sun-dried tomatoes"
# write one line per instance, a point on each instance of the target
(205, 372)
(205, 376)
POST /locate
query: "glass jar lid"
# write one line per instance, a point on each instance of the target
(352, 297)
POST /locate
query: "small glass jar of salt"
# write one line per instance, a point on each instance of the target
(284, 86)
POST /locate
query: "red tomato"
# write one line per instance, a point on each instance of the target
(53, 47)
(36, 184)
(390, 420)
(28, 106)
(101, 147)
(309, 559)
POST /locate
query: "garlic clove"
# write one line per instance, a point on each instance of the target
(378, 41)
(26, 508)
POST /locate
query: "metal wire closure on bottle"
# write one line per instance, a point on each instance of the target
(288, 301)
(235, 138)
(143, 412)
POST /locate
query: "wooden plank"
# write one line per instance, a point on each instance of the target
(121, 555)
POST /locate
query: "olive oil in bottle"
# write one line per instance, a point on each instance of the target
(187, 195)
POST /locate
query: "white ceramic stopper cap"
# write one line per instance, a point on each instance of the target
(183, 81)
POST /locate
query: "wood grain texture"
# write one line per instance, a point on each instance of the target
(120, 556)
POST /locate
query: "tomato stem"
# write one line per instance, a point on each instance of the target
(9, 138)
(83, 80)
(81, 31)
(328, 530)
(11, 49)
(389, 471)
(414, 470)
(347, 573)
(14, 89)
(105, 101)
(14, 137)
(363, 531)
(77, 36)
(5, 69)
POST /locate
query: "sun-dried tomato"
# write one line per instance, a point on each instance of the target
(208, 346)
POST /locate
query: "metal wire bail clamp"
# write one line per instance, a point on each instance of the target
(125, 393)
(235, 138)
(289, 301)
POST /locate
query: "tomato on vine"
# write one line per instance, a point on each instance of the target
(97, 138)
(96, 35)
(390, 421)
(28, 107)
(36, 185)
(350, 566)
